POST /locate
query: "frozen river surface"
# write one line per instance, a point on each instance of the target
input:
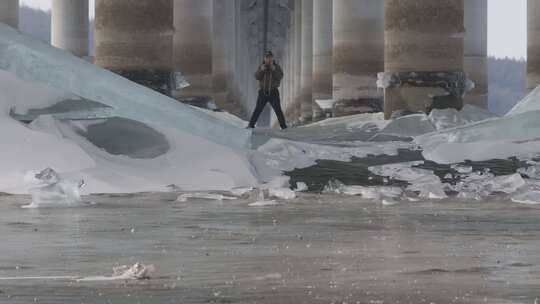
(315, 249)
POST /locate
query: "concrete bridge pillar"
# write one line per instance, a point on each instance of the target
(475, 49)
(297, 61)
(533, 47)
(423, 55)
(193, 48)
(9, 12)
(358, 55)
(223, 56)
(69, 26)
(306, 77)
(134, 39)
(322, 53)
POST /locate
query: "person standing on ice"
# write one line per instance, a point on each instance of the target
(269, 75)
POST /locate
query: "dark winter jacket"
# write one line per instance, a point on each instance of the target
(270, 78)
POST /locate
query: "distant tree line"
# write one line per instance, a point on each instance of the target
(507, 83)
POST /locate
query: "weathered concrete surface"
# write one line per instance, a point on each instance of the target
(9, 12)
(533, 44)
(223, 57)
(317, 249)
(306, 75)
(134, 39)
(322, 53)
(475, 51)
(358, 54)
(193, 46)
(421, 36)
(69, 26)
(293, 112)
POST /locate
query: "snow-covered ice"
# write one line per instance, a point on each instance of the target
(160, 141)
(37, 62)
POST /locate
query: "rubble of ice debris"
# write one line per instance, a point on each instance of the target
(89, 124)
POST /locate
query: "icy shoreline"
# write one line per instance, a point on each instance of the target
(90, 125)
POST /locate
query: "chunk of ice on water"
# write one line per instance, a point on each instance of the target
(301, 187)
(184, 197)
(55, 191)
(479, 185)
(138, 271)
(262, 201)
(528, 198)
(241, 191)
(334, 186)
(282, 193)
(389, 202)
(506, 184)
(425, 182)
(373, 193)
(532, 172)
(462, 169)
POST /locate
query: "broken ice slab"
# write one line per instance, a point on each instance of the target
(72, 109)
(35, 61)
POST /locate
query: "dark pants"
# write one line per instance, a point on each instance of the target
(273, 98)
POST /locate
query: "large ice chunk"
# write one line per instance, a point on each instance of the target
(35, 61)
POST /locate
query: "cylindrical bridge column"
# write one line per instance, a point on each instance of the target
(322, 53)
(134, 39)
(306, 77)
(193, 48)
(423, 55)
(69, 26)
(358, 55)
(475, 49)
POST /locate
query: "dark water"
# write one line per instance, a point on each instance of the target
(356, 171)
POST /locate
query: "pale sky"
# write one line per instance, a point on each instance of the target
(507, 29)
(46, 4)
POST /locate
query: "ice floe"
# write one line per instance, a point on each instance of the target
(527, 198)
(53, 191)
(184, 197)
